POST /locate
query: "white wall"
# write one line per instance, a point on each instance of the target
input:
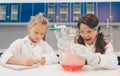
(9, 33)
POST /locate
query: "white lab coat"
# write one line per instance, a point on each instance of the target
(25, 48)
(108, 60)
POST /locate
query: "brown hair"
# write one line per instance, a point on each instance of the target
(92, 21)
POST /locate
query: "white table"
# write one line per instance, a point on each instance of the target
(56, 70)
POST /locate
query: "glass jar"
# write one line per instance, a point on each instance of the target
(69, 60)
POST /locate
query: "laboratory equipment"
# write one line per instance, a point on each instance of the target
(66, 37)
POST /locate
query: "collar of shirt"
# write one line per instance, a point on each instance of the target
(26, 39)
(91, 47)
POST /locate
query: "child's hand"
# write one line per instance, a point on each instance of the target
(83, 51)
(39, 60)
(42, 60)
(28, 61)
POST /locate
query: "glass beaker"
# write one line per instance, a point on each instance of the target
(69, 60)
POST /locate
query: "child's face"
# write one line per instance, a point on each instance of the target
(37, 32)
(89, 35)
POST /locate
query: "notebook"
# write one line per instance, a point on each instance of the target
(19, 67)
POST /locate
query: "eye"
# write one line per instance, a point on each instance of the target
(36, 32)
(81, 32)
(42, 33)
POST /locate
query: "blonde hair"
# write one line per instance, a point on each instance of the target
(39, 18)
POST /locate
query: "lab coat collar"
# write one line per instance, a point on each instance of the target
(91, 47)
(26, 39)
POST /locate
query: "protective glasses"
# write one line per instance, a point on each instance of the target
(87, 31)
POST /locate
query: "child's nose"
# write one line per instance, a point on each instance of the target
(86, 35)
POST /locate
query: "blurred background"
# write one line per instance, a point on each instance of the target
(14, 18)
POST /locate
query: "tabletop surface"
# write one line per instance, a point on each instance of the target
(56, 70)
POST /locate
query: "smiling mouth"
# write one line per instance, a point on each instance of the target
(88, 39)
